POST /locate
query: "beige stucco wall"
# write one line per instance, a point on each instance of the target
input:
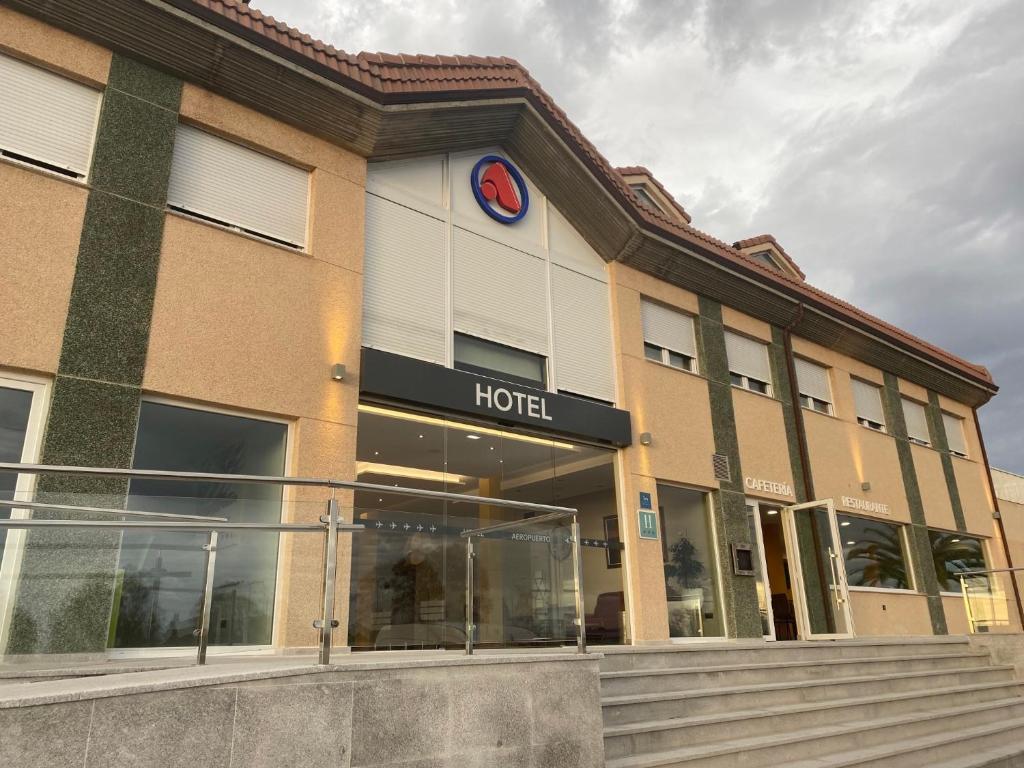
(674, 407)
(761, 432)
(243, 324)
(42, 212)
(889, 613)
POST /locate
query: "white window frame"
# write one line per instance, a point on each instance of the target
(665, 358)
(288, 495)
(811, 403)
(14, 545)
(908, 560)
(864, 421)
(743, 381)
(960, 424)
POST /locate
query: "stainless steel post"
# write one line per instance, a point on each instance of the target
(327, 621)
(577, 579)
(203, 632)
(469, 596)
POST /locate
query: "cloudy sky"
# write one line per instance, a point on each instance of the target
(882, 142)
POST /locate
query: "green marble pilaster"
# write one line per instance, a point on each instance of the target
(937, 430)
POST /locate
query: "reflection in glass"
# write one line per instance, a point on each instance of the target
(15, 405)
(160, 574)
(691, 575)
(408, 567)
(952, 554)
(874, 553)
(823, 594)
(759, 576)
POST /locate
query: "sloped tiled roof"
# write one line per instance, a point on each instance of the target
(401, 78)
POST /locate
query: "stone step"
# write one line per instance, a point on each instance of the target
(898, 740)
(631, 681)
(664, 735)
(992, 745)
(666, 705)
(761, 652)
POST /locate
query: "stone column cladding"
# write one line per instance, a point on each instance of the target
(924, 571)
(730, 500)
(937, 430)
(97, 391)
(784, 393)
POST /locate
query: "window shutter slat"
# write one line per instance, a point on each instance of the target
(954, 426)
(812, 380)
(668, 329)
(238, 186)
(917, 422)
(404, 282)
(583, 345)
(868, 400)
(499, 293)
(47, 117)
(747, 357)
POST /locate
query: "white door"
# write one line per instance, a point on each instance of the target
(817, 570)
(764, 592)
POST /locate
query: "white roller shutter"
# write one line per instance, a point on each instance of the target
(47, 117)
(917, 422)
(404, 282)
(499, 293)
(238, 186)
(954, 427)
(583, 344)
(668, 329)
(812, 380)
(868, 400)
(747, 357)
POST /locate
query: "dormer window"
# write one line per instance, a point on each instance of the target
(765, 257)
(766, 251)
(652, 195)
(647, 198)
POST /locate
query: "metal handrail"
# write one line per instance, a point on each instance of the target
(351, 485)
(577, 569)
(104, 510)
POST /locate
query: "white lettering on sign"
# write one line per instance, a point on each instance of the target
(779, 489)
(867, 506)
(507, 400)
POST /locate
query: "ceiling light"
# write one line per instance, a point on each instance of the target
(430, 475)
(845, 523)
(850, 543)
(472, 437)
(955, 541)
(773, 511)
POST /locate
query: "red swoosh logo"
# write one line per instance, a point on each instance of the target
(496, 186)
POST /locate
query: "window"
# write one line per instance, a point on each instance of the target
(21, 404)
(875, 553)
(647, 198)
(917, 422)
(952, 554)
(162, 575)
(691, 571)
(868, 401)
(232, 185)
(668, 336)
(748, 363)
(490, 359)
(812, 381)
(45, 119)
(765, 258)
(954, 427)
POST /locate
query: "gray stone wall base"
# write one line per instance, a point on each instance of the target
(543, 714)
(1003, 648)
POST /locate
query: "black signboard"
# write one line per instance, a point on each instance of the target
(395, 377)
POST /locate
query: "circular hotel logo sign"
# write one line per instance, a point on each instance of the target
(499, 188)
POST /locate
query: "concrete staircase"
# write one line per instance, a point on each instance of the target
(866, 703)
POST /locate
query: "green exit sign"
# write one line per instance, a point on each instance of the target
(648, 524)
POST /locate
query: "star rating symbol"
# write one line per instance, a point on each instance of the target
(380, 524)
(433, 528)
(419, 527)
(393, 526)
(407, 526)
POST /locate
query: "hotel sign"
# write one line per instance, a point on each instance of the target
(395, 377)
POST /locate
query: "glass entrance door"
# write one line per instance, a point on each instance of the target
(819, 575)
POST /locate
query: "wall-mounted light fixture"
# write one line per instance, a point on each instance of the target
(645, 438)
(865, 486)
(338, 371)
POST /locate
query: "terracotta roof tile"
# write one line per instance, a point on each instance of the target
(420, 77)
(770, 240)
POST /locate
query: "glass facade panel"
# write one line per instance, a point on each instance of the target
(409, 566)
(160, 574)
(874, 553)
(691, 571)
(491, 359)
(15, 405)
(952, 554)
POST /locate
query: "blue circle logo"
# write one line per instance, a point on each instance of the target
(499, 189)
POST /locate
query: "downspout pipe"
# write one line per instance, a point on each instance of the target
(999, 518)
(794, 393)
